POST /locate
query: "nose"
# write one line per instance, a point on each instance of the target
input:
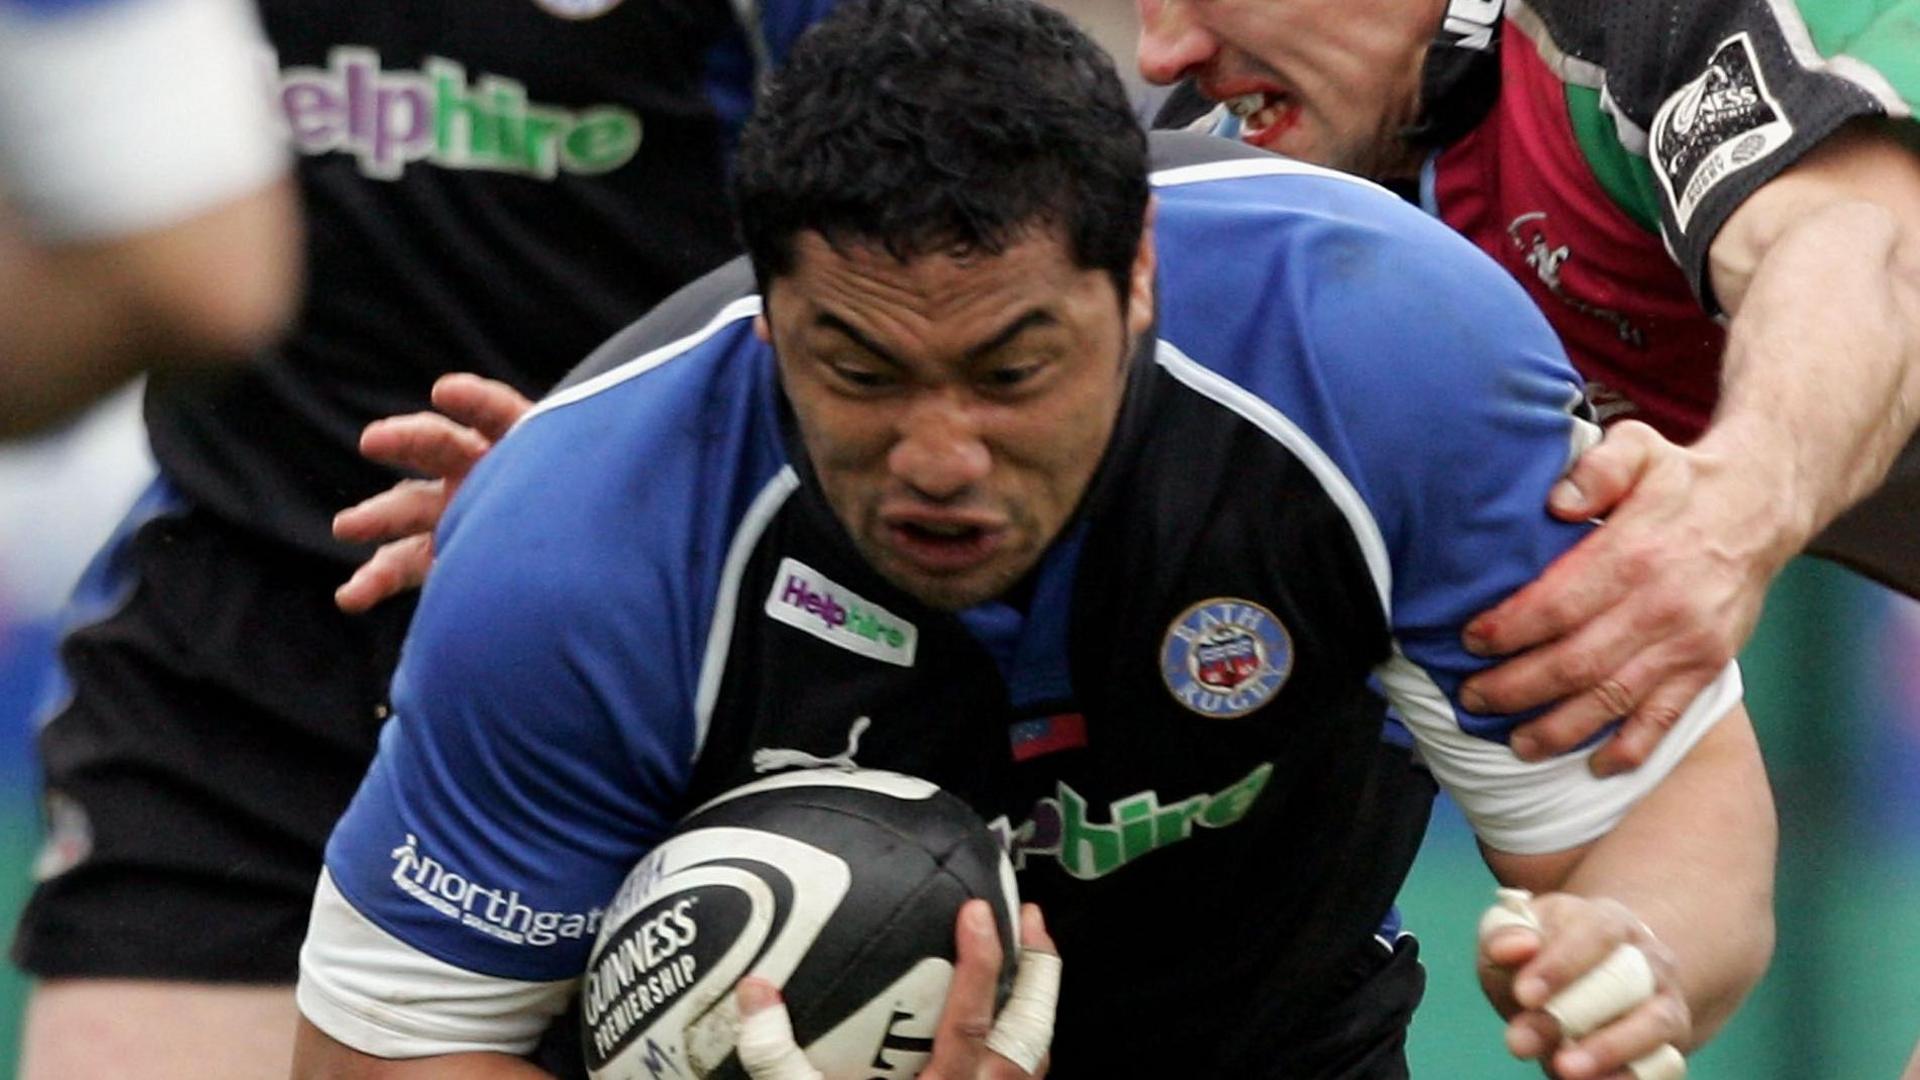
(1172, 41)
(939, 453)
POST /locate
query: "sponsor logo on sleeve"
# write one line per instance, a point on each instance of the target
(1225, 657)
(498, 913)
(808, 600)
(1716, 125)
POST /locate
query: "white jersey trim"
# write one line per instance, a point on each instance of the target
(1632, 137)
(746, 307)
(1239, 168)
(713, 661)
(362, 986)
(1256, 411)
(1564, 65)
(133, 116)
(1532, 808)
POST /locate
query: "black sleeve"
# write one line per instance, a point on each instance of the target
(1729, 93)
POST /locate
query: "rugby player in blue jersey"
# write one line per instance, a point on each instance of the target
(1163, 501)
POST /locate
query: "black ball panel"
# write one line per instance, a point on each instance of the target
(841, 886)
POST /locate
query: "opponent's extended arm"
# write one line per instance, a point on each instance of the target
(1686, 876)
(1820, 269)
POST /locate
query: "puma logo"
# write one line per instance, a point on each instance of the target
(773, 759)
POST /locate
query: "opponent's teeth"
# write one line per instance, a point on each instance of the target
(1245, 105)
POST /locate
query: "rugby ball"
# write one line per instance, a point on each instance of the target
(840, 886)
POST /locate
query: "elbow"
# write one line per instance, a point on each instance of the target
(1750, 953)
(1746, 928)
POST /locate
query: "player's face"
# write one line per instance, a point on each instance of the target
(954, 407)
(1332, 82)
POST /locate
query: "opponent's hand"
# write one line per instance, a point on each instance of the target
(443, 446)
(1636, 619)
(1584, 986)
(969, 1043)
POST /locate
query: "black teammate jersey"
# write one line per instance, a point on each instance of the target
(1328, 459)
(493, 186)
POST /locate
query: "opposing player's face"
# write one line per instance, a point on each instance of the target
(1332, 82)
(954, 407)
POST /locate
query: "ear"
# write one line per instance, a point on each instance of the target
(1140, 278)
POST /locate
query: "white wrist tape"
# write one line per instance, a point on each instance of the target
(1621, 981)
(1025, 1027)
(1510, 908)
(1663, 1064)
(767, 1050)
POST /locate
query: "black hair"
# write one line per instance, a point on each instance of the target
(950, 126)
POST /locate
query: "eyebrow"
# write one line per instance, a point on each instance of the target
(1031, 319)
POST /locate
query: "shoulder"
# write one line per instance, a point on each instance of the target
(1274, 271)
(1406, 366)
(618, 493)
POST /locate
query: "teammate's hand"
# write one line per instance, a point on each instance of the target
(1584, 986)
(969, 1043)
(1636, 619)
(443, 446)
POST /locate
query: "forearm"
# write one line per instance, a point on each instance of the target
(318, 1056)
(79, 319)
(1820, 385)
(1694, 861)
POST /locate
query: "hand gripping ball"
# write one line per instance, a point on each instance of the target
(839, 886)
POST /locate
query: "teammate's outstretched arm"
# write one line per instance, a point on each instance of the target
(1685, 878)
(79, 319)
(144, 221)
(1820, 390)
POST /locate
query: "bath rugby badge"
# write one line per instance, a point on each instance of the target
(1225, 657)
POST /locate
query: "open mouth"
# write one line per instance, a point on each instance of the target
(1264, 115)
(943, 546)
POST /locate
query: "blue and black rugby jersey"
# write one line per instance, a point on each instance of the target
(1335, 448)
(495, 186)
